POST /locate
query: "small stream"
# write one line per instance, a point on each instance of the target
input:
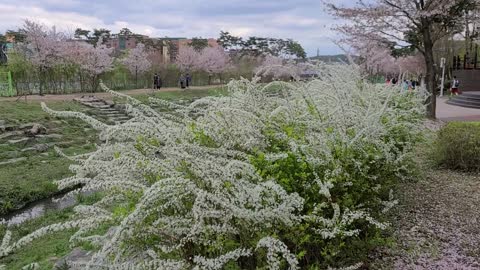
(38, 208)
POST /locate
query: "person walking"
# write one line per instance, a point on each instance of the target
(455, 85)
(155, 80)
(182, 81)
(188, 80)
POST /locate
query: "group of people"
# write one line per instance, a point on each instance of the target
(185, 81)
(406, 84)
(412, 84)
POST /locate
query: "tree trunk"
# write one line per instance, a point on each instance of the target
(94, 83)
(136, 78)
(42, 81)
(430, 64)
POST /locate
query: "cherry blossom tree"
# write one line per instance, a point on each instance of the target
(419, 24)
(213, 61)
(45, 48)
(280, 68)
(378, 59)
(94, 60)
(274, 66)
(137, 61)
(187, 59)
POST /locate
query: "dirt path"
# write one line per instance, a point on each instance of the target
(436, 224)
(102, 95)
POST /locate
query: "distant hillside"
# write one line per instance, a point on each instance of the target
(339, 58)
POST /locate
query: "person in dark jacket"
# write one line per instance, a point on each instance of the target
(155, 81)
(188, 80)
(182, 81)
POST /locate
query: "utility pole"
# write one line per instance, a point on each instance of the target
(442, 65)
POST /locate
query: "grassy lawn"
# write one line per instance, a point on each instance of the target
(31, 179)
(187, 95)
(48, 249)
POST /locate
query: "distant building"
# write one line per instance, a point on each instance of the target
(120, 43)
(160, 48)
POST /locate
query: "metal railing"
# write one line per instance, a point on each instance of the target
(467, 61)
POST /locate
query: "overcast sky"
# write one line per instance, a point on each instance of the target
(301, 20)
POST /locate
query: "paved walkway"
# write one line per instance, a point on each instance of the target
(448, 113)
(102, 95)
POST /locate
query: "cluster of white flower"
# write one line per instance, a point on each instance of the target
(182, 192)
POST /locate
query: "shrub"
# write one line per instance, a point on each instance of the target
(458, 146)
(277, 175)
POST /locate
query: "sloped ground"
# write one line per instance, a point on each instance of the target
(436, 224)
(103, 95)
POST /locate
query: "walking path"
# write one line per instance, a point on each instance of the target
(448, 113)
(103, 95)
(436, 224)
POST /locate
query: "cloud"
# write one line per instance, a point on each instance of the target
(302, 20)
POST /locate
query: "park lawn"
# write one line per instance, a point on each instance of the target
(31, 179)
(186, 95)
(48, 249)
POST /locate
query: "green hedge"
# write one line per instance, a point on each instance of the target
(458, 146)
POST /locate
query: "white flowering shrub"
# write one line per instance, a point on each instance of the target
(277, 176)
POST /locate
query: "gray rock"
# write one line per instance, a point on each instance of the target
(13, 160)
(2, 122)
(75, 260)
(38, 148)
(8, 127)
(10, 134)
(18, 141)
(36, 130)
(27, 126)
(51, 136)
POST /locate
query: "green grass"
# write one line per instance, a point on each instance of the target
(48, 249)
(184, 95)
(33, 178)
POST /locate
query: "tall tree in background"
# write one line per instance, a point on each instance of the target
(100, 34)
(378, 58)
(125, 32)
(198, 43)
(46, 48)
(213, 61)
(417, 23)
(79, 33)
(137, 61)
(261, 46)
(94, 60)
(229, 42)
(187, 59)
